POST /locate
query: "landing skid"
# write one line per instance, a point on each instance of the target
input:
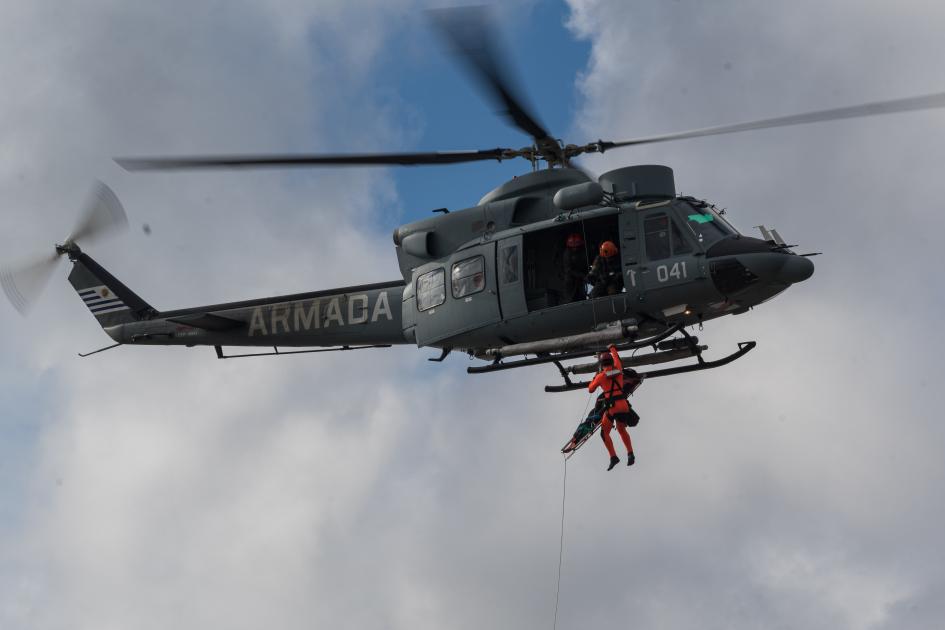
(557, 357)
(744, 347)
(664, 350)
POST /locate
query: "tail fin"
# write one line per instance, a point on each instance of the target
(110, 301)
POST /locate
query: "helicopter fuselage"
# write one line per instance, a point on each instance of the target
(495, 274)
(680, 262)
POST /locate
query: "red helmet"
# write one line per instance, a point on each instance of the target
(605, 358)
(574, 240)
(608, 249)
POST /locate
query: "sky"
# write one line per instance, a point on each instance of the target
(160, 487)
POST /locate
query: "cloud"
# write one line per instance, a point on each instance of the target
(826, 429)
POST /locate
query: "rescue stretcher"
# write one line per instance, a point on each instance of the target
(629, 388)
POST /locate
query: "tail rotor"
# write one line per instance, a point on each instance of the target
(101, 216)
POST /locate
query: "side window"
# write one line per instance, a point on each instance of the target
(468, 277)
(656, 236)
(508, 264)
(431, 289)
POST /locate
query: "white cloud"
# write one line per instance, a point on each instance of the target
(826, 428)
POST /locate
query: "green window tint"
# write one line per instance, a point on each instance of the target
(707, 227)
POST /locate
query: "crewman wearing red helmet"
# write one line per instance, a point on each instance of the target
(606, 275)
(610, 379)
(574, 268)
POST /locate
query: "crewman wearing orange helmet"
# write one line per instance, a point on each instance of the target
(606, 275)
(574, 263)
(610, 379)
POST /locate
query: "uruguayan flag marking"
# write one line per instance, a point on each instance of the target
(101, 300)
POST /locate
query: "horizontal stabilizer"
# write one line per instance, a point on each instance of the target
(208, 321)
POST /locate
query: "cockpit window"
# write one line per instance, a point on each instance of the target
(656, 233)
(663, 238)
(680, 245)
(708, 225)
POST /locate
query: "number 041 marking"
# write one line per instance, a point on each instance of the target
(677, 272)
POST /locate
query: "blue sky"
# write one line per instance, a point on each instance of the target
(455, 115)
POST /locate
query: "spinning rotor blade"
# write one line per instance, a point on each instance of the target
(23, 285)
(929, 101)
(101, 215)
(472, 34)
(275, 161)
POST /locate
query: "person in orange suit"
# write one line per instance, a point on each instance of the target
(610, 380)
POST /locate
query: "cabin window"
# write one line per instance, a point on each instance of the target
(468, 277)
(508, 264)
(431, 289)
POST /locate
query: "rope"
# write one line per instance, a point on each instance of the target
(564, 495)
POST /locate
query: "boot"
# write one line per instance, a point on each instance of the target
(630, 458)
(613, 462)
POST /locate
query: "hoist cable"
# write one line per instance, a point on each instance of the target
(564, 496)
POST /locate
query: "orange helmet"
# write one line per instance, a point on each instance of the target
(608, 249)
(574, 240)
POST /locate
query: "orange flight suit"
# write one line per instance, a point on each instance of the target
(611, 382)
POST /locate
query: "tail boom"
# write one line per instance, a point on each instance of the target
(358, 315)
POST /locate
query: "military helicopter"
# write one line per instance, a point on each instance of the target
(489, 280)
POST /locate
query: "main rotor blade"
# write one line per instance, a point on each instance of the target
(101, 215)
(472, 34)
(928, 101)
(23, 285)
(275, 161)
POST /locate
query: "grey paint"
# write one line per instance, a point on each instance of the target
(659, 293)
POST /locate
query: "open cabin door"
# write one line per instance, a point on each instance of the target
(456, 296)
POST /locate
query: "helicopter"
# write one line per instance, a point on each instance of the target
(488, 280)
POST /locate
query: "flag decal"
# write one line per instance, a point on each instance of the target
(101, 300)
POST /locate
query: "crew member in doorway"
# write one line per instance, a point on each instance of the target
(574, 263)
(606, 276)
(611, 381)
